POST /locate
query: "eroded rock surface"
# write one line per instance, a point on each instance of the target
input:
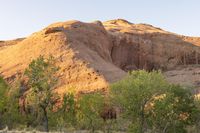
(142, 46)
(91, 55)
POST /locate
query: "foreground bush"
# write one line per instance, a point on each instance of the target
(174, 111)
(3, 99)
(66, 116)
(10, 115)
(90, 108)
(150, 103)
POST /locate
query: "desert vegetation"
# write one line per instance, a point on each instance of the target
(142, 102)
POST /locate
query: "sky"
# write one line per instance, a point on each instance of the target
(21, 18)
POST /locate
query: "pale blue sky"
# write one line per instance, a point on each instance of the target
(19, 18)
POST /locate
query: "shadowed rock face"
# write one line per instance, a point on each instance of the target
(141, 46)
(91, 55)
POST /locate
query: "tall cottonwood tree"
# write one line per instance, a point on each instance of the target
(133, 93)
(42, 80)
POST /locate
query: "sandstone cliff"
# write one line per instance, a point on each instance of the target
(91, 55)
(142, 46)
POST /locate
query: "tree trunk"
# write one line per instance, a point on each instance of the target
(142, 120)
(46, 122)
(142, 123)
(1, 125)
(92, 126)
(165, 129)
(142, 117)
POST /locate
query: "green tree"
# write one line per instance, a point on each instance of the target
(133, 93)
(13, 118)
(42, 80)
(65, 116)
(173, 111)
(90, 108)
(3, 99)
(10, 113)
(69, 108)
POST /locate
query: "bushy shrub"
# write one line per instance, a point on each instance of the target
(90, 108)
(148, 102)
(3, 99)
(174, 111)
(65, 116)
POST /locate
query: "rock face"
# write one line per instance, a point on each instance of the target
(91, 55)
(142, 46)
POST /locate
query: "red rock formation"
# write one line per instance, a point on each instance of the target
(142, 46)
(91, 55)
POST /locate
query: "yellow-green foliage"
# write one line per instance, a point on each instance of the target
(3, 91)
(90, 108)
(151, 103)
